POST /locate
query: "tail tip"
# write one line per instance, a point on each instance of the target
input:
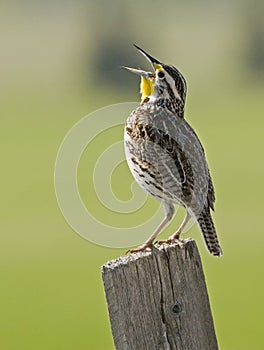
(217, 251)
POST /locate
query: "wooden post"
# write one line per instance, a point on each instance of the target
(158, 300)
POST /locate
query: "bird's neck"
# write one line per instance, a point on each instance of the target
(172, 106)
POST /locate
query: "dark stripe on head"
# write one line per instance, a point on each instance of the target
(180, 82)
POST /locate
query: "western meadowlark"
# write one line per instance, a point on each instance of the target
(165, 155)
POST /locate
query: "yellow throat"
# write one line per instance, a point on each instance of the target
(146, 88)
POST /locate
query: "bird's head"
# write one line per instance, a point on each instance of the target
(166, 83)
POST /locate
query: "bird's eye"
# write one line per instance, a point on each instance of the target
(161, 74)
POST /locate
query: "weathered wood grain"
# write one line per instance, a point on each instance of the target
(158, 300)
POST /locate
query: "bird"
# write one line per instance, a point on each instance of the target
(165, 155)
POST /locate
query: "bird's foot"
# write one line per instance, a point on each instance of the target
(141, 248)
(171, 240)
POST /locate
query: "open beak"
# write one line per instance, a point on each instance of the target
(155, 63)
(147, 78)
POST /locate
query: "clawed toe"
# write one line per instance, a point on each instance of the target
(168, 241)
(172, 240)
(141, 248)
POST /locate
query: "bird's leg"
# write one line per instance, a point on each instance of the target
(175, 238)
(169, 210)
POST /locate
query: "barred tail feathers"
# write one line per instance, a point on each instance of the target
(207, 227)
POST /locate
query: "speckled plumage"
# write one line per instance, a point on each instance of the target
(166, 157)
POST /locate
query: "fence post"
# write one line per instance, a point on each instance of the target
(158, 300)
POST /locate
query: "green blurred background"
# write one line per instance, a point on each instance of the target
(59, 61)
